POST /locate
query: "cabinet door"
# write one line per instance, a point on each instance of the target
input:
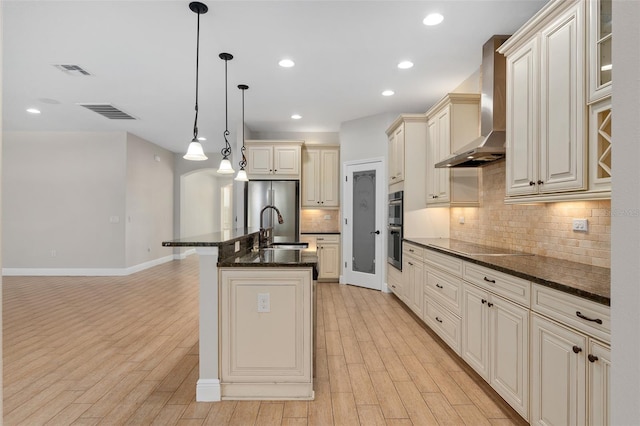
(415, 291)
(259, 160)
(509, 352)
(329, 261)
(599, 383)
(562, 104)
(286, 160)
(432, 159)
(522, 120)
(600, 42)
(329, 178)
(310, 178)
(399, 142)
(444, 150)
(475, 329)
(558, 391)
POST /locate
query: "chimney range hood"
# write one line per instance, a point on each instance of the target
(491, 145)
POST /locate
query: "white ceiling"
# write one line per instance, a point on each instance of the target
(142, 57)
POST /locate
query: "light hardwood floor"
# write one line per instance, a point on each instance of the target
(124, 350)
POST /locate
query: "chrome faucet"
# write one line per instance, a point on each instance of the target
(263, 236)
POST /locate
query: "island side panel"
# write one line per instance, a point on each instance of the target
(208, 385)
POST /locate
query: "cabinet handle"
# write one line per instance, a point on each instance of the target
(531, 183)
(489, 304)
(393, 177)
(435, 196)
(439, 286)
(439, 320)
(540, 182)
(410, 263)
(319, 239)
(411, 250)
(592, 358)
(393, 286)
(489, 281)
(484, 301)
(576, 349)
(597, 320)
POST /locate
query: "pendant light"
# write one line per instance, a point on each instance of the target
(242, 174)
(225, 165)
(195, 151)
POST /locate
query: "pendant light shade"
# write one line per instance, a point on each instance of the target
(242, 174)
(225, 165)
(195, 151)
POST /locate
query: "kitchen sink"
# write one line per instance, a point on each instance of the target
(287, 246)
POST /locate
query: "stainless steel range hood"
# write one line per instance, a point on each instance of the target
(491, 145)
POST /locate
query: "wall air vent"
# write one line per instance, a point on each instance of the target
(69, 69)
(109, 111)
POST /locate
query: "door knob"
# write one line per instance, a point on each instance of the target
(375, 232)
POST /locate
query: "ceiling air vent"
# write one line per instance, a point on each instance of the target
(76, 70)
(109, 111)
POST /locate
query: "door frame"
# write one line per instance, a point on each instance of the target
(347, 276)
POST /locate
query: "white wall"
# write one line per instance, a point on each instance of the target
(625, 220)
(60, 191)
(1, 179)
(149, 201)
(328, 138)
(366, 138)
(200, 203)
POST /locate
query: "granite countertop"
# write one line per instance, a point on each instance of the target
(215, 239)
(272, 258)
(590, 282)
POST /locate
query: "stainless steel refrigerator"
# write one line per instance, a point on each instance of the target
(283, 194)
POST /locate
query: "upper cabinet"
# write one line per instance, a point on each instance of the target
(548, 135)
(600, 65)
(451, 123)
(396, 153)
(273, 159)
(320, 176)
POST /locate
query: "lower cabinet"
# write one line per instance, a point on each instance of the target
(495, 343)
(442, 305)
(570, 376)
(413, 277)
(327, 247)
(394, 281)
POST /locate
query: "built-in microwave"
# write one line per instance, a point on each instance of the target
(395, 208)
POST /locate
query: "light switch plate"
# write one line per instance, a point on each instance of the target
(264, 304)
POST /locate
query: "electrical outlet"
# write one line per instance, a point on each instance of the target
(327, 217)
(461, 220)
(237, 246)
(580, 225)
(264, 302)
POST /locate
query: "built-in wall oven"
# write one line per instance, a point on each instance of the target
(394, 230)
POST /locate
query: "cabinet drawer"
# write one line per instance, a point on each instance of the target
(443, 322)
(586, 316)
(513, 288)
(446, 289)
(412, 251)
(444, 262)
(328, 238)
(394, 280)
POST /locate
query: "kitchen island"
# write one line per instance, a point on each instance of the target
(256, 318)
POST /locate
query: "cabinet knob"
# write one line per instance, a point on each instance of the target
(393, 177)
(531, 183)
(393, 286)
(318, 202)
(439, 320)
(540, 182)
(592, 358)
(439, 286)
(410, 263)
(489, 304)
(576, 349)
(483, 301)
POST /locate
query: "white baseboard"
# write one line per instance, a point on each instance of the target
(208, 390)
(85, 272)
(183, 255)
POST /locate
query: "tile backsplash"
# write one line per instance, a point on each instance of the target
(319, 220)
(544, 229)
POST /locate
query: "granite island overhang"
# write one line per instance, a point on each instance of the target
(267, 352)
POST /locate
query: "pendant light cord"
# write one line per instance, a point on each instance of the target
(226, 151)
(243, 162)
(195, 123)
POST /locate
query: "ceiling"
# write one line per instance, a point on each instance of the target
(141, 55)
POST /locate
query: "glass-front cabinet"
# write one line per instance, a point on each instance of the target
(600, 36)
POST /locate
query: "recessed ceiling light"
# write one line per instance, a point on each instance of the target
(202, 138)
(296, 116)
(286, 63)
(405, 65)
(388, 93)
(433, 19)
(33, 111)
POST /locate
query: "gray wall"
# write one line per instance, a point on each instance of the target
(365, 137)
(85, 201)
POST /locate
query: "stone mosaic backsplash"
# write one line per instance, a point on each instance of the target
(544, 229)
(319, 220)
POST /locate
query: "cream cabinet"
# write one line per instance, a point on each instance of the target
(451, 123)
(320, 177)
(396, 154)
(413, 277)
(271, 159)
(327, 248)
(266, 333)
(394, 281)
(495, 343)
(546, 105)
(600, 145)
(600, 43)
(570, 359)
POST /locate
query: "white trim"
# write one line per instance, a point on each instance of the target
(85, 272)
(183, 255)
(208, 390)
